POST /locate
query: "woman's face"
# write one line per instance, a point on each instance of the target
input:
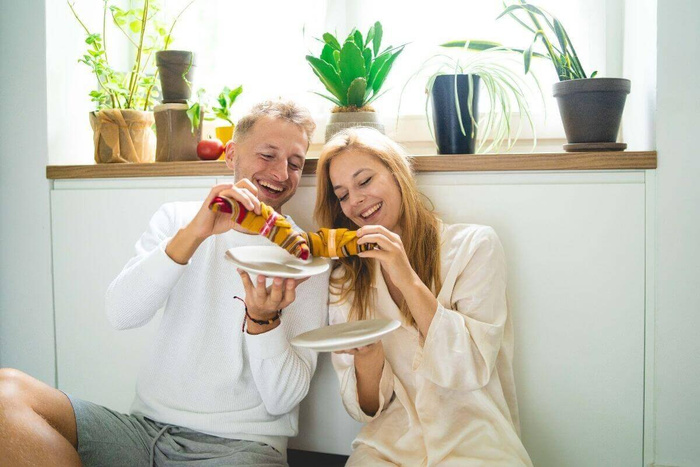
(367, 191)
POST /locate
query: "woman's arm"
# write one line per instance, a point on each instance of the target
(391, 254)
(369, 363)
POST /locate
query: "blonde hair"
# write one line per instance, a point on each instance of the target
(288, 111)
(418, 223)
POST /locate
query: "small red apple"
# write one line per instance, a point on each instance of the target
(210, 149)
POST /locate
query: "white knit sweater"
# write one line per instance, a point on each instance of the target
(203, 373)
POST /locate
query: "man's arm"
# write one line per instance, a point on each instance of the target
(162, 253)
(283, 373)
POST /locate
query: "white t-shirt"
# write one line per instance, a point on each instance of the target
(202, 372)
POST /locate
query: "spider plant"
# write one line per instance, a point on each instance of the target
(506, 90)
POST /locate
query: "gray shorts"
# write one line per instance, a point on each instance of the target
(110, 439)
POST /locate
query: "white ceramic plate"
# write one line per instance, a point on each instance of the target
(346, 336)
(274, 261)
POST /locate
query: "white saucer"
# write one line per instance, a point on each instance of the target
(274, 261)
(346, 336)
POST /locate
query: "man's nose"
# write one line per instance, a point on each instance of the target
(279, 170)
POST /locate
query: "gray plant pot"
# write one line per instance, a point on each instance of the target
(341, 120)
(173, 67)
(591, 109)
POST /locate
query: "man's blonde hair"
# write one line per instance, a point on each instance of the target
(288, 111)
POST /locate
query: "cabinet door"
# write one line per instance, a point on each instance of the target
(575, 250)
(94, 232)
(575, 246)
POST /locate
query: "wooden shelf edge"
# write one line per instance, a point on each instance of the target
(618, 160)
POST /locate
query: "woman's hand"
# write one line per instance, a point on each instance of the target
(390, 253)
(369, 364)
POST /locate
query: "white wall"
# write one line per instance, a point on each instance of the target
(678, 235)
(26, 302)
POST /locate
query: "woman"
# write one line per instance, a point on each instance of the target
(439, 390)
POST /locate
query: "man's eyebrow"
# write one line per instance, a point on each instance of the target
(358, 172)
(270, 146)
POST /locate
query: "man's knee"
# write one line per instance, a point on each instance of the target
(13, 385)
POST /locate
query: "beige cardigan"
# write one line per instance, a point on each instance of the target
(449, 399)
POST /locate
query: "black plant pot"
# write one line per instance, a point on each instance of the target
(448, 133)
(591, 111)
(173, 67)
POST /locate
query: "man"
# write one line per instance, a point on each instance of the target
(208, 394)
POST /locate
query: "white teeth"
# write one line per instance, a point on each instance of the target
(270, 186)
(371, 210)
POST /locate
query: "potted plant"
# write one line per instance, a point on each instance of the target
(201, 110)
(353, 73)
(591, 108)
(453, 94)
(124, 100)
(222, 111)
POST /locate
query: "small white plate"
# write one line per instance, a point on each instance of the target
(346, 336)
(274, 261)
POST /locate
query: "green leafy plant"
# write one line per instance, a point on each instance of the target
(561, 53)
(143, 29)
(354, 72)
(506, 90)
(201, 108)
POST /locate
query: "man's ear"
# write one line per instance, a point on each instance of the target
(230, 151)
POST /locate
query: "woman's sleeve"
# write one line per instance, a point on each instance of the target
(344, 365)
(463, 343)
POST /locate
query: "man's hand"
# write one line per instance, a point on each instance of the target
(264, 302)
(207, 222)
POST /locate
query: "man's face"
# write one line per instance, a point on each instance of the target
(271, 156)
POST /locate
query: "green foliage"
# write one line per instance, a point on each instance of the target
(225, 100)
(562, 53)
(354, 72)
(147, 33)
(505, 90)
(222, 109)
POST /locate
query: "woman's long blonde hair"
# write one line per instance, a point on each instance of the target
(419, 225)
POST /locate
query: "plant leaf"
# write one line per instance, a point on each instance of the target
(328, 76)
(367, 53)
(370, 35)
(330, 39)
(377, 39)
(384, 71)
(352, 64)
(359, 41)
(135, 26)
(356, 92)
(327, 56)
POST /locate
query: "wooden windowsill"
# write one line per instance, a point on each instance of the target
(618, 160)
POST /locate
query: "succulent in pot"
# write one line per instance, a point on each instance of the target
(353, 73)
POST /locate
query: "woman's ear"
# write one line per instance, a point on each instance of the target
(230, 151)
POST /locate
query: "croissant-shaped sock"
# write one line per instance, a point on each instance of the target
(329, 243)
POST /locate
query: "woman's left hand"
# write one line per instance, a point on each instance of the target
(390, 253)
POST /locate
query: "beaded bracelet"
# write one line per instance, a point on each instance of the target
(261, 322)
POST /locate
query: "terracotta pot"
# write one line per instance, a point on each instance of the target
(173, 67)
(591, 109)
(123, 135)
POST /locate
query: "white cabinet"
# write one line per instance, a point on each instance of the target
(575, 244)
